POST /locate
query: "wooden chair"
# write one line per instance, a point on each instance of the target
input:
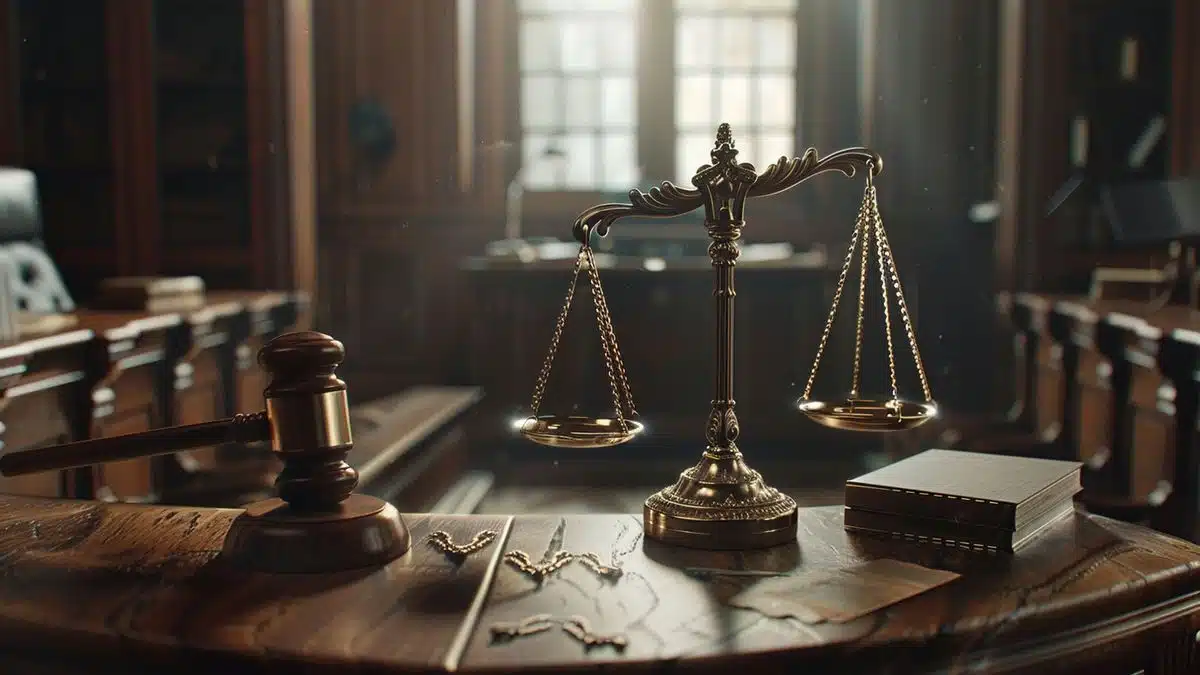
(1174, 505)
(1130, 345)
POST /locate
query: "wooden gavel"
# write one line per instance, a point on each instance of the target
(307, 421)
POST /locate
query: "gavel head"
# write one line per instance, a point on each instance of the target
(309, 416)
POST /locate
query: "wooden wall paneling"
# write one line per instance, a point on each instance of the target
(497, 110)
(10, 86)
(282, 156)
(1185, 117)
(392, 235)
(1033, 151)
(299, 230)
(934, 69)
(413, 80)
(134, 136)
(828, 111)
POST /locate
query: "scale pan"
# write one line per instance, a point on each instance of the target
(560, 431)
(868, 415)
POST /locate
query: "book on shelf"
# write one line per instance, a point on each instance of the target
(963, 499)
(151, 294)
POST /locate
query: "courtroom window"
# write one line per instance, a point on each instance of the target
(578, 93)
(614, 92)
(735, 62)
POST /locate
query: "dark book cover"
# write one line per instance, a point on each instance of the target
(966, 487)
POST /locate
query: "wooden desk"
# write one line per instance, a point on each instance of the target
(44, 400)
(139, 589)
(129, 393)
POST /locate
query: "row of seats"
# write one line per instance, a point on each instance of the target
(1115, 384)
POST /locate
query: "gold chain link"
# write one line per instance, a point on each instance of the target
(868, 224)
(886, 251)
(603, 314)
(861, 224)
(539, 390)
(607, 339)
(615, 367)
(859, 228)
(883, 287)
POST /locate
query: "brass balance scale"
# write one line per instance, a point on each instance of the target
(721, 503)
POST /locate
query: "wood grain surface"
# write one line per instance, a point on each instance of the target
(90, 587)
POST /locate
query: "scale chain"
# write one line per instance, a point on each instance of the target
(837, 298)
(887, 306)
(886, 249)
(539, 389)
(607, 339)
(861, 223)
(602, 308)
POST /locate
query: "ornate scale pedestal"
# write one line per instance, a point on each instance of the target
(721, 503)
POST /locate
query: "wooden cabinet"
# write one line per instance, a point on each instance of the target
(173, 141)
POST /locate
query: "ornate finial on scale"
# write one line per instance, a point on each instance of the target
(316, 524)
(720, 503)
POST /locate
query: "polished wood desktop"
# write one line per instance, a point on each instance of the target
(92, 587)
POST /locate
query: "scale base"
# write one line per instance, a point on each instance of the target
(271, 537)
(720, 504)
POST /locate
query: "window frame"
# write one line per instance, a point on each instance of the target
(657, 132)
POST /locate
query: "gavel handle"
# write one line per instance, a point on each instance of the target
(241, 428)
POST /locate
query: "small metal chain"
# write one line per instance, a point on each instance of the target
(886, 250)
(883, 287)
(861, 223)
(608, 339)
(602, 308)
(539, 390)
(444, 542)
(859, 228)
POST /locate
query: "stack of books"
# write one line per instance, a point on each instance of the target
(151, 294)
(963, 499)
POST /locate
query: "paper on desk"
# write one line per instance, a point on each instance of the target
(842, 595)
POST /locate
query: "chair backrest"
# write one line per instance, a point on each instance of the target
(32, 277)
(20, 209)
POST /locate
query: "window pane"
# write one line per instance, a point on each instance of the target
(617, 48)
(539, 45)
(776, 101)
(617, 102)
(540, 103)
(581, 160)
(777, 43)
(734, 104)
(737, 43)
(772, 146)
(581, 49)
(691, 153)
(540, 171)
(777, 5)
(578, 85)
(619, 162)
(583, 102)
(693, 101)
(753, 82)
(694, 43)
